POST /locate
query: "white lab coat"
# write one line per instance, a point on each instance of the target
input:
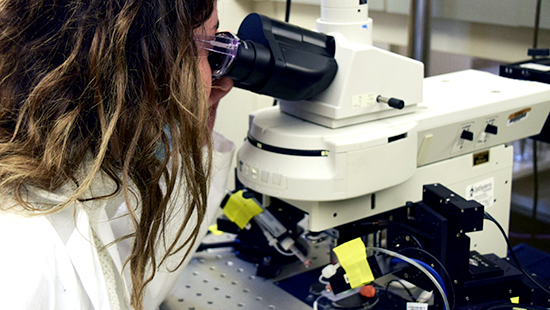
(51, 261)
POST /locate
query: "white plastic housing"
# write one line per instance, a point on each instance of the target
(364, 73)
(357, 160)
(369, 157)
(347, 17)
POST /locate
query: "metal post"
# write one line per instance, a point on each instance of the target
(420, 32)
(537, 25)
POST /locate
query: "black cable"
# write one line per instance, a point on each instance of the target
(364, 306)
(404, 286)
(287, 18)
(535, 156)
(287, 10)
(440, 265)
(535, 179)
(205, 246)
(513, 254)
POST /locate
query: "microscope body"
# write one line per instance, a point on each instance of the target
(343, 154)
(354, 150)
(374, 167)
(366, 73)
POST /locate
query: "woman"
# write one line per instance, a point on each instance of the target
(106, 112)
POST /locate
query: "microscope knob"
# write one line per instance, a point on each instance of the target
(467, 135)
(492, 129)
(392, 102)
(396, 103)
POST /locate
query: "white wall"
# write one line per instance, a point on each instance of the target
(486, 30)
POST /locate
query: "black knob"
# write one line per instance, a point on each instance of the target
(392, 102)
(467, 135)
(492, 129)
(396, 103)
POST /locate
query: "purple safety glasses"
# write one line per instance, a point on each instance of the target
(223, 49)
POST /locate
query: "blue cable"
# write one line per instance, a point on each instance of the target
(428, 267)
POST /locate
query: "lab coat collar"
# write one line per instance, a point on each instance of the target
(74, 226)
(82, 252)
(102, 226)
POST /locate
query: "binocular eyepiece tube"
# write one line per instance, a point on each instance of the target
(280, 60)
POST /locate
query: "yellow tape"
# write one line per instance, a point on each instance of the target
(241, 210)
(353, 258)
(214, 230)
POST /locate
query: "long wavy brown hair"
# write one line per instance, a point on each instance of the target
(117, 80)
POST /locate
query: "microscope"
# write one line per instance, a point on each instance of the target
(362, 147)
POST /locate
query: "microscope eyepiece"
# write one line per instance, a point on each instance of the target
(223, 48)
(275, 59)
(253, 65)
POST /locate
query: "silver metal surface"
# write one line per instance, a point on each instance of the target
(217, 279)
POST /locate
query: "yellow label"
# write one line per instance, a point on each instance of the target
(353, 258)
(214, 230)
(241, 210)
